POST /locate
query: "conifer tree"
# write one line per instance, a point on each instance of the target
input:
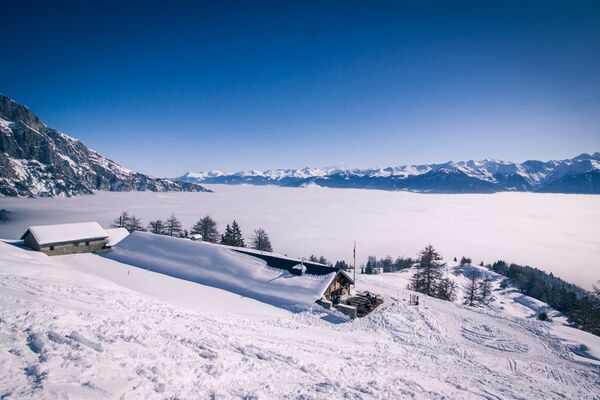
(237, 237)
(172, 226)
(446, 289)
(207, 227)
(261, 241)
(471, 288)
(343, 265)
(233, 236)
(157, 227)
(122, 220)
(134, 224)
(226, 236)
(428, 274)
(485, 288)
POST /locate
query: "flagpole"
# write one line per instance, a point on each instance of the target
(354, 252)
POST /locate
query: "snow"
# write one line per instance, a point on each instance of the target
(59, 233)
(115, 235)
(300, 267)
(84, 326)
(5, 125)
(218, 266)
(554, 232)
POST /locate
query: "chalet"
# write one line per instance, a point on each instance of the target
(82, 237)
(338, 288)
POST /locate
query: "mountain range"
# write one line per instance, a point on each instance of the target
(36, 160)
(577, 175)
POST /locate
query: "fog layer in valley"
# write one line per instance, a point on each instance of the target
(554, 232)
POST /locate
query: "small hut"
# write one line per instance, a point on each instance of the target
(339, 288)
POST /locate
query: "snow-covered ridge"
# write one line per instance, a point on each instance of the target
(580, 174)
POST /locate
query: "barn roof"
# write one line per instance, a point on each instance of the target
(64, 233)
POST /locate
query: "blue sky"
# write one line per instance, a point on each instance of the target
(167, 88)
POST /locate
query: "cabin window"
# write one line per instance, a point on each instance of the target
(87, 243)
(75, 244)
(51, 248)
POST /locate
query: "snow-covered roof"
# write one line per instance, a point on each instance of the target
(61, 233)
(115, 235)
(196, 236)
(220, 267)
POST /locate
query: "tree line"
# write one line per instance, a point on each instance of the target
(205, 226)
(386, 264)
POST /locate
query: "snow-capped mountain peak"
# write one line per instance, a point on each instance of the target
(580, 174)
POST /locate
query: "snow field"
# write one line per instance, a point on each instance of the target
(84, 326)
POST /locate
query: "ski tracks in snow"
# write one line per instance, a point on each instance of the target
(100, 343)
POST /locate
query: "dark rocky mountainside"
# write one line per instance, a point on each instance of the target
(36, 160)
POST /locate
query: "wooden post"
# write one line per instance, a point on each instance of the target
(354, 254)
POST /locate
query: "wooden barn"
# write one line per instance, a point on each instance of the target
(82, 237)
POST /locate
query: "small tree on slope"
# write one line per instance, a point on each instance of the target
(207, 227)
(261, 241)
(233, 236)
(134, 224)
(157, 227)
(429, 274)
(471, 288)
(122, 220)
(172, 226)
(485, 288)
(446, 289)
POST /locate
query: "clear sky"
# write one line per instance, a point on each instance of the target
(167, 88)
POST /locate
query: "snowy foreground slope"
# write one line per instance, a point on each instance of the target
(84, 326)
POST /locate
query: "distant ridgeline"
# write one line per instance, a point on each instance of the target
(577, 175)
(36, 160)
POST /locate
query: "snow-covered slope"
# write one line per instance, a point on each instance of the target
(507, 300)
(36, 160)
(578, 175)
(84, 326)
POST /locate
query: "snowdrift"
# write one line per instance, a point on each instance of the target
(219, 267)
